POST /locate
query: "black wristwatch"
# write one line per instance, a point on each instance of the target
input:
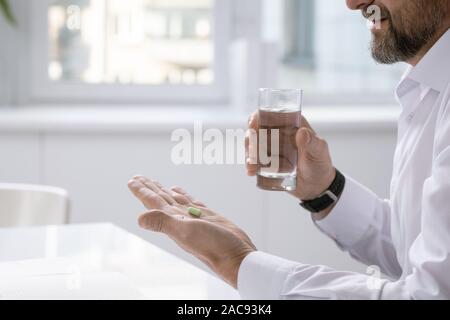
(328, 198)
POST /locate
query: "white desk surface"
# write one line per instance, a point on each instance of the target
(96, 261)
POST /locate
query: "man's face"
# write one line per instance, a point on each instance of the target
(406, 26)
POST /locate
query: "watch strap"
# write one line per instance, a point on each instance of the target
(327, 198)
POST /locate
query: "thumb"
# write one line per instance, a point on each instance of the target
(309, 142)
(158, 221)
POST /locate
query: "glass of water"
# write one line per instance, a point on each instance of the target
(279, 121)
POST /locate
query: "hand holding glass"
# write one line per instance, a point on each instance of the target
(279, 120)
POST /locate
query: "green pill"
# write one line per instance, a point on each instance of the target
(195, 212)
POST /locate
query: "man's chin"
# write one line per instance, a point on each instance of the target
(383, 52)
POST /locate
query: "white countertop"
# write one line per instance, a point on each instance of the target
(96, 261)
(153, 120)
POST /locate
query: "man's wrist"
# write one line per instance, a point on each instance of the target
(322, 205)
(231, 275)
(327, 182)
(323, 214)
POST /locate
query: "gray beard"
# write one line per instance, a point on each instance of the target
(398, 46)
(391, 48)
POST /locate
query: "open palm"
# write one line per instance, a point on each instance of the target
(216, 241)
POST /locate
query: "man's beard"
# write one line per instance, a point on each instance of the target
(416, 23)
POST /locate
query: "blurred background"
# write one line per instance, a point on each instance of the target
(91, 90)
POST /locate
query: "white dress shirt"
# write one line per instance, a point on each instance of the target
(408, 236)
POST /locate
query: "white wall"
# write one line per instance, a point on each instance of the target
(20, 157)
(95, 165)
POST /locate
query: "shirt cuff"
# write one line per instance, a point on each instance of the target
(262, 276)
(352, 215)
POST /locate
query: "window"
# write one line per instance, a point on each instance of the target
(133, 41)
(178, 52)
(325, 50)
(299, 34)
(133, 50)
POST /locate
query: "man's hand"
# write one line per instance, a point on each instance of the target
(211, 238)
(315, 171)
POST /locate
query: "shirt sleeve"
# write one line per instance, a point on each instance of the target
(266, 277)
(361, 225)
(262, 276)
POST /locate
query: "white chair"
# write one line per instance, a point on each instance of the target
(30, 205)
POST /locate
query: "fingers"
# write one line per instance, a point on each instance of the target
(251, 154)
(147, 196)
(181, 198)
(180, 194)
(303, 138)
(253, 121)
(251, 142)
(154, 196)
(157, 188)
(310, 144)
(251, 145)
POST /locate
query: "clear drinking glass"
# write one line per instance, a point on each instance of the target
(279, 121)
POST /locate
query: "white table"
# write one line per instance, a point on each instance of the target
(96, 261)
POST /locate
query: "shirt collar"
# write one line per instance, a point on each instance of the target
(434, 69)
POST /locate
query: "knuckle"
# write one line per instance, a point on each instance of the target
(152, 196)
(161, 193)
(181, 199)
(178, 189)
(323, 143)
